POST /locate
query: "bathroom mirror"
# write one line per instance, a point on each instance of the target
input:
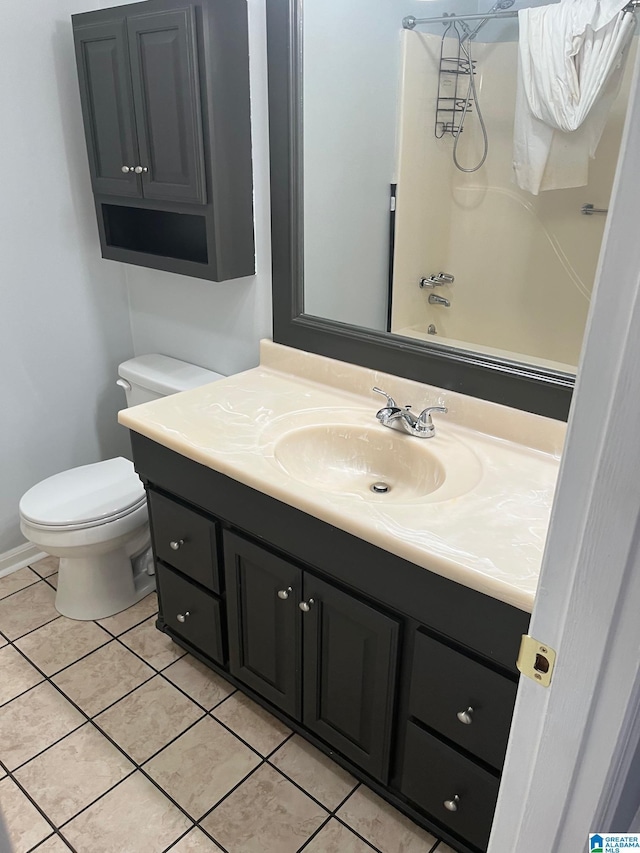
(368, 204)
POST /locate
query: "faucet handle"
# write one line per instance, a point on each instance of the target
(424, 419)
(391, 403)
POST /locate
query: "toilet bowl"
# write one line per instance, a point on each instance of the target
(94, 518)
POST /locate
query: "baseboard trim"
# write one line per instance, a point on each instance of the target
(19, 557)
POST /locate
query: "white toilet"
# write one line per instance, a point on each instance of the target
(95, 517)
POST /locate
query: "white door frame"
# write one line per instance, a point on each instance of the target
(572, 746)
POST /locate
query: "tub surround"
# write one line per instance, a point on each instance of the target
(489, 538)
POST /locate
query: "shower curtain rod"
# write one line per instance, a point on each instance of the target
(410, 22)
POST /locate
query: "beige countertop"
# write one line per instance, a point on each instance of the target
(487, 532)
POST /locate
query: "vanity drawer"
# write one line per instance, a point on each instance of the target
(434, 774)
(445, 683)
(185, 540)
(191, 613)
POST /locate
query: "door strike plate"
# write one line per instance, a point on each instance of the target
(536, 660)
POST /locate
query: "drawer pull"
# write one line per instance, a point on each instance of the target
(305, 606)
(466, 717)
(452, 805)
(182, 617)
(176, 544)
(284, 593)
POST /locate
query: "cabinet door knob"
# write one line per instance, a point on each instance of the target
(284, 593)
(305, 606)
(452, 805)
(140, 169)
(466, 717)
(176, 544)
(182, 617)
(126, 169)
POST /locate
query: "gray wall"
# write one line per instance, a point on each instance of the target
(64, 323)
(68, 317)
(214, 325)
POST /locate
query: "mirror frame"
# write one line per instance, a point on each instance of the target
(519, 385)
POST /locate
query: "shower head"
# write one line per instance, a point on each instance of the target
(501, 5)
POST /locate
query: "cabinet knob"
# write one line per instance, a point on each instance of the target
(176, 544)
(182, 617)
(305, 606)
(284, 593)
(140, 169)
(126, 169)
(452, 805)
(466, 717)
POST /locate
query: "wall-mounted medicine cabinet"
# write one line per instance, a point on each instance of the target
(164, 88)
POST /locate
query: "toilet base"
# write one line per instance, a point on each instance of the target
(96, 587)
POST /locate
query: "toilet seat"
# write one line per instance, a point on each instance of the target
(84, 497)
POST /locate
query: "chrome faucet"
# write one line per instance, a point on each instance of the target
(421, 426)
(436, 299)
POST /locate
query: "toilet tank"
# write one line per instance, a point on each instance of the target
(149, 377)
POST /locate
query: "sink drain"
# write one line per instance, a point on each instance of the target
(380, 488)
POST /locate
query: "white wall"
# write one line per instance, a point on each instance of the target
(216, 325)
(64, 322)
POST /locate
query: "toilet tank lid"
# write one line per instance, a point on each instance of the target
(82, 495)
(165, 375)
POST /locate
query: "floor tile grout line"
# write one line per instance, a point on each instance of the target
(240, 738)
(342, 821)
(137, 767)
(300, 788)
(91, 719)
(22, 588)
(178, 840)
(155, 669)
(31, 566)
(315, 833)
(226, 796)
(67, 665)
(211, 837)
(199, 704)
(140, 768)
(49, 679)
(34, 803)
(37, 628)
(126, 630)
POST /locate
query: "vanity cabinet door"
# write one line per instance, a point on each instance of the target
(107, 107)
(166, 93)
(350, 657)
(263, 593)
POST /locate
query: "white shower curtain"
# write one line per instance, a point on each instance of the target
(571, 60)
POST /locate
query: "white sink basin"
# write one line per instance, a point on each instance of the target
(351, 459)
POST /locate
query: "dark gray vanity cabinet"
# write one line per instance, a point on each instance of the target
(164, 89)
(405, 678)
(284, 621)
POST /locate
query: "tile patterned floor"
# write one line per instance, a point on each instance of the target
(114, 740)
